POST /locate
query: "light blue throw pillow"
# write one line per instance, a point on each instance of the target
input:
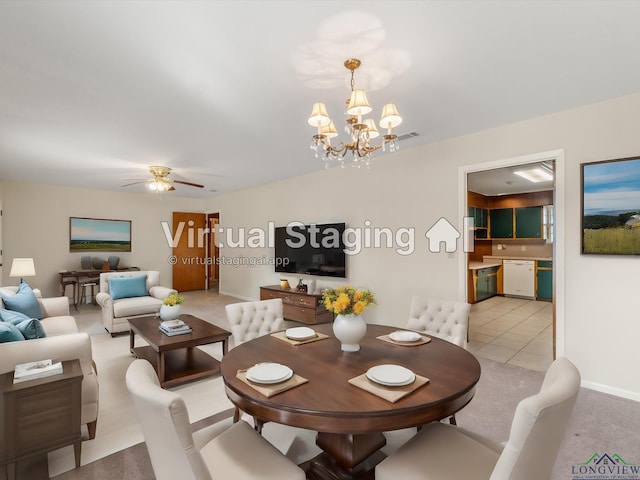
(9, 333)
(12, 317)
(31, 328)
(127, 287)
(24, 301)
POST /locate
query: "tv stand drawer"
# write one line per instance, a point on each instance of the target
(298, 306)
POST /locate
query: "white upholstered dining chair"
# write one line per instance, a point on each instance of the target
(445, 452)
(250, 320)
(224, 450)
(445, 319)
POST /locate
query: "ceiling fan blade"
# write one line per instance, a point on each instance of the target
(135, 183)
(188, 183)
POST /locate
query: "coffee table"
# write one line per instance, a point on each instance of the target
(176, 359)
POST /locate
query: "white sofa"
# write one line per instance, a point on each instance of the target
(115, 313)
(63, 342)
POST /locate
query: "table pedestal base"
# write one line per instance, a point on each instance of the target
(346, 457)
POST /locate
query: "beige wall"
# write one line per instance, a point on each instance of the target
(415, 187)
(36, 224)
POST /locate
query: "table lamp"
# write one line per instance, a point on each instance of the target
(22, 267)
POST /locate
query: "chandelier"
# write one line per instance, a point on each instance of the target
(361, 131)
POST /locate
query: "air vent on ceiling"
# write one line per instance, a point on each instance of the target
(407, 136)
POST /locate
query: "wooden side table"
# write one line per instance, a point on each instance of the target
(42, 415)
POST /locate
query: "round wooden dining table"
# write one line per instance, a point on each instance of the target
(350, 421)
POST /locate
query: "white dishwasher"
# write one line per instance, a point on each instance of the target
(519, 278)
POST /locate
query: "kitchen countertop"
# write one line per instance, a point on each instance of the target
(515, 257)
(496, 261)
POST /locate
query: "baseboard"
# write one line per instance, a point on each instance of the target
(618, 392)
(246, 299)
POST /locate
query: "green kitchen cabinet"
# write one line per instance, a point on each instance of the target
(480, 219)
(544, 282)
(501, 223)
(486, 283)
(528, 222)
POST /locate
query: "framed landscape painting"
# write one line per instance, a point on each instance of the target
(611, 207)
(97, 235)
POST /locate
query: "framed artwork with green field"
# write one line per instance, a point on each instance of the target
(611, 207)
(99, 235)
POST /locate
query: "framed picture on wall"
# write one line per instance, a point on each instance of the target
(611, 207)
(99, 235)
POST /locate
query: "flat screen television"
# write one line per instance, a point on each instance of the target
(311, 249)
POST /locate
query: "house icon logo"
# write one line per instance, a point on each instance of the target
(442, 232)
(605, 466)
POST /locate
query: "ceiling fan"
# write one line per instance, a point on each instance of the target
(161, 181)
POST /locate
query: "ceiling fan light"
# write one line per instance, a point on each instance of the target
(390, 117)
(358, 103)
(319, 116)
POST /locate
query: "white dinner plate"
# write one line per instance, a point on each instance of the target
(300, 333)
(391, 375)
(404, 336)
(269, 373)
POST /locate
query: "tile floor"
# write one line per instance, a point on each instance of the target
(513, 330)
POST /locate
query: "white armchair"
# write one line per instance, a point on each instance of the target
(116, 312)
(222, 450)
(445, 452)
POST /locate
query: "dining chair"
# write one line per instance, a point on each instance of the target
(445, 319)
(222, 450)
(446, 452)
(250, 320)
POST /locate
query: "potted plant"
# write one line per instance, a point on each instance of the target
(170, 308)
(348, 303)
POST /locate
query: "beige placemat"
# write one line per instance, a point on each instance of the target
(392, 394)
(283, 337)
(423, 339)
(273, 389)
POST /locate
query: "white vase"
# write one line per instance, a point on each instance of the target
(349, 329)
(169, 312)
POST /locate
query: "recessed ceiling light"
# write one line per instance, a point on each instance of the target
(535, 175)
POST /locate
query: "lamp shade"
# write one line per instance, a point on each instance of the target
(358, 103)
(319, 116)
(390, 117)
(329, 130)
(371, 128)
(22, 267)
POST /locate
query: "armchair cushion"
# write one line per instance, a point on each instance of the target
(23, 301)
(128, 287)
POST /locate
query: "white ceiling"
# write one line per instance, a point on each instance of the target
(93, 93)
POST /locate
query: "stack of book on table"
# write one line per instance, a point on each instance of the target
(174, 327)
(33, 370)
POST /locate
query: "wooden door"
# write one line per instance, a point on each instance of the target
(190, 238)
(214, 268)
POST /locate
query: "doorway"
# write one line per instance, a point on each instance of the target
(213, 264)
(489, 247)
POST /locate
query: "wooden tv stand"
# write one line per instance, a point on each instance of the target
(298, 306)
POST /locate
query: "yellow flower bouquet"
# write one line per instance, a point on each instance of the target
(347, 300)
(173, 299)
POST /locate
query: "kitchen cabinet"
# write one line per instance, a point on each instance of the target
(486, 283)
(501, 223)
(544, 280)
(528, 222)
(480, 221)
(519, 223)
